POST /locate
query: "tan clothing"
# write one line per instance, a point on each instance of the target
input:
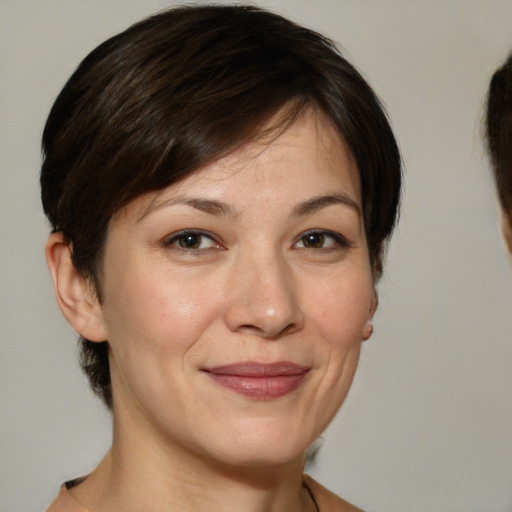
(325, 500)
(65, 503)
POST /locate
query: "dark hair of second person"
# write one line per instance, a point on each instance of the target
(499, 140)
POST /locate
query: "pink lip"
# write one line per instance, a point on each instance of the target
(258, 380)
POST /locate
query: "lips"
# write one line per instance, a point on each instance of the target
(259, 381)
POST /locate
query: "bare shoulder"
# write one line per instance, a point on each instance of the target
(326, 500)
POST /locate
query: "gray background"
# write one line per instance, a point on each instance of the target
(427, 425)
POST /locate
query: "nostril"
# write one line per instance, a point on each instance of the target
(269, 332)
(290, 328)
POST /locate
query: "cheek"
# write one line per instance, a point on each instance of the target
(339, 315)
(341, 309)
(156, 313)
(155, 324)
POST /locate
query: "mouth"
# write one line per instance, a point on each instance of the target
(259, 381)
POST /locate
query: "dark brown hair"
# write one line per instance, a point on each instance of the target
(499, 133)
(180, 90)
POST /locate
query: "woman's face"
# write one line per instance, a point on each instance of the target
(235, 302)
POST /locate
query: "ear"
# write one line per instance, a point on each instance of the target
(76, 297)
(368, 326)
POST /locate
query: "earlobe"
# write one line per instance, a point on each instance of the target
(368, 326)
(75, 296)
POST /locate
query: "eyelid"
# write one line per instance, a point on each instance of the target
(341, 240)
(169, 240)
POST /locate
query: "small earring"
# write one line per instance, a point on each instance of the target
(367, 331)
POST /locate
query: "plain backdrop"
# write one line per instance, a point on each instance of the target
(427, 425)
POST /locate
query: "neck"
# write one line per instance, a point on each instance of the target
(144, 472)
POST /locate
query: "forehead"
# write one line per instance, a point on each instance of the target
(308, 157)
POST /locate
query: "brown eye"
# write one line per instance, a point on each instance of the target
(321, 240)
(313, 240)
(191, 241)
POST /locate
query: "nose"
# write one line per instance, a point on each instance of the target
(263, 298)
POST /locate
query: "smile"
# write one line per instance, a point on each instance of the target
(259, 381)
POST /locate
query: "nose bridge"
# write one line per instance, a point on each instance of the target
(264, 296)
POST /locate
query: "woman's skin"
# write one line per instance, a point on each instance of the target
(233, 344)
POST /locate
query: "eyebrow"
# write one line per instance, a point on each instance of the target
(210, 206)
(219, 208)
(317, 203)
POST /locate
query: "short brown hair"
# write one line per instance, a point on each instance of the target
(499, 133)
(182, 89)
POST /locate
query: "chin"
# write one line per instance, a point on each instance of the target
(256, 446)
(263, 459)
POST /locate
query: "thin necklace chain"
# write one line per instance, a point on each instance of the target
(317, 508)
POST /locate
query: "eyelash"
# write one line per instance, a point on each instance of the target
(174, 239)
(339, 241)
